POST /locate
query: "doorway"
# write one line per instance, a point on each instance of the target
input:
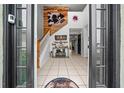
(99, 54)
(79, 44)
(63, 55)
(103, 33)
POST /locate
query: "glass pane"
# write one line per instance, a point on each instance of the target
(100, 37)
(100, 57)
(21, 5)
(21, 45)
(21, 18)
(100, 6)
(100, 15)
(21, 38)
(21, 77)
(100, 76)
(21, 57)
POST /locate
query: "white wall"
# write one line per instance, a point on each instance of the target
(45, 52)
(85, 41)
(122, 48)
(80, 23)
(75, 24)
(62, 31)
(82, 43)
(70, 24)
(85, 31)
(1, 46)
(82, 18)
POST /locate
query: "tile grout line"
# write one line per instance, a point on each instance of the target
(58, 68)
(67, 68)
(65, 62)
(48, 72)
(78, 73)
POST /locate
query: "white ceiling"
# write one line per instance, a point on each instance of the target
(75, 31)
(72, 7)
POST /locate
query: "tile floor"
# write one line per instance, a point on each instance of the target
(74, 68)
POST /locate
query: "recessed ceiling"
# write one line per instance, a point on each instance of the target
(72, 7)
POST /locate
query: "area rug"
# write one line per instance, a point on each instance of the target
(61, 83)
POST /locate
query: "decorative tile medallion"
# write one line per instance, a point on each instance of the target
(61, 83)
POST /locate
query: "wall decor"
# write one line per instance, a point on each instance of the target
(75, 18)
(60, 37)
(55, 17)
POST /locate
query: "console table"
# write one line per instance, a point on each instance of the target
(60, 52)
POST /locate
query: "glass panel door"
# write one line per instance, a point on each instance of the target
(98, 45)
(24, 46)
(18, 46)
(21, 45)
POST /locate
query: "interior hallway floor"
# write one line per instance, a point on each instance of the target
(74, 68)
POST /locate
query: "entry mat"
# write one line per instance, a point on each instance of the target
(61, 83)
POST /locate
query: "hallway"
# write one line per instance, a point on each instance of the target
(74, 68)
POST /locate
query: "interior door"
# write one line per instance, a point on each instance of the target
(98, 45)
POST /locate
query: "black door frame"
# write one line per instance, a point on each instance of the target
(8, 44)
(114, 46)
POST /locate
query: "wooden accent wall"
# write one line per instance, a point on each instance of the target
(55, 27)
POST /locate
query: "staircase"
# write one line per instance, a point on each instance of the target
(42, 45)
(56, 28)
(50, 30)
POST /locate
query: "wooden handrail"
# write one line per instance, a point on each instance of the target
(39, 42)
(44, 35)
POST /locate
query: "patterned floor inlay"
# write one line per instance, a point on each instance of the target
(61, 83)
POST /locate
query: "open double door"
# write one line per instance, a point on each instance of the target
(19, 46)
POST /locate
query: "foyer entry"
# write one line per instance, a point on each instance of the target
(20, 50)
(57, 58)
